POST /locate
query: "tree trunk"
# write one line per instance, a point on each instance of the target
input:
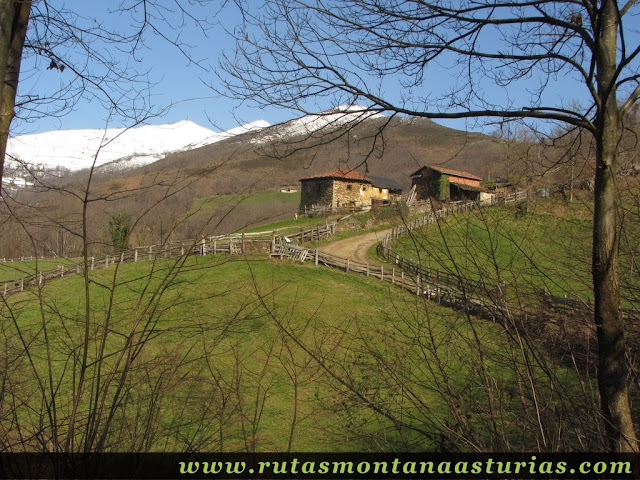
(612, 371)
(14, 17)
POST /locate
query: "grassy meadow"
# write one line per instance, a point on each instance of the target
(17, 269)
(248, 212)
(545, 249)
(236, 354)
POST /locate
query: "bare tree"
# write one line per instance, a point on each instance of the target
(297, 52)
(106, 373)
(14, 17)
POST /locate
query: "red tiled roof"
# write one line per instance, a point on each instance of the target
(449, 171)
(343, 174)
(470, 188)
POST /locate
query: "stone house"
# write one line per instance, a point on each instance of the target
(445, 184)
(343, 189)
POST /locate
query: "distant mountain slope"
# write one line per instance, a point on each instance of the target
(121, 148)
(383, 146)
(258, 156)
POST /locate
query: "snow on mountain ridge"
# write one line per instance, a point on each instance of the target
(323, 122)
(120, 148)
(77, 149)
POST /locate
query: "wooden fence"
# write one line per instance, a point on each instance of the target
(235, 244)
(316, 233)
(495, 199)
(477, 289)
(319, 210)
(428, 219)
(475, 296)
(441, 294)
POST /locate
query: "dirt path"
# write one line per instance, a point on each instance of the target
(355, 248)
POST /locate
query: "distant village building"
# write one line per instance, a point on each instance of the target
(345, 189)
(384, 191)
(445, 184)
(288, 188)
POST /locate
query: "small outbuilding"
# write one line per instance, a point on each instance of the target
(445, 184)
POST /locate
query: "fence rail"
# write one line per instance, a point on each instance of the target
(476, 288)
(235, 244)
(447, 288)
(441, 294)
(317, 233)
(324, 210)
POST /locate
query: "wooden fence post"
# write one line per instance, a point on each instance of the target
(106, 261)
(367, 269)
(93, 261)
(135, 255)
(242, 244)
(61, 271)
(347, 264)
(381, 272)
(393, 275)
(316, 256)
(22, 284)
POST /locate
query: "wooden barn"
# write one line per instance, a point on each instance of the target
(345, 189)
(445, 184)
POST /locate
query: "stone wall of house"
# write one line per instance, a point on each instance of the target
(316, 192)
(351, 194)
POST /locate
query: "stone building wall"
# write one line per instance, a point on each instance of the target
(351, 194)
(316, 192)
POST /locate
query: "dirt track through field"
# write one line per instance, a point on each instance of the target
(355, 248)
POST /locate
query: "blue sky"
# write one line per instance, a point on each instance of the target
(178, 83)
(182, 85)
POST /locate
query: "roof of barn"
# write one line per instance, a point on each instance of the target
(449, 171)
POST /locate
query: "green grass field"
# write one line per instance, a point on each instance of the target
(241, 354)
(16, 270)
(265, 196)
(548, 248)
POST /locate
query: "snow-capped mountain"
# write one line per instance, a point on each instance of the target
(318, 124)
(115, 148)
(121, 149)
